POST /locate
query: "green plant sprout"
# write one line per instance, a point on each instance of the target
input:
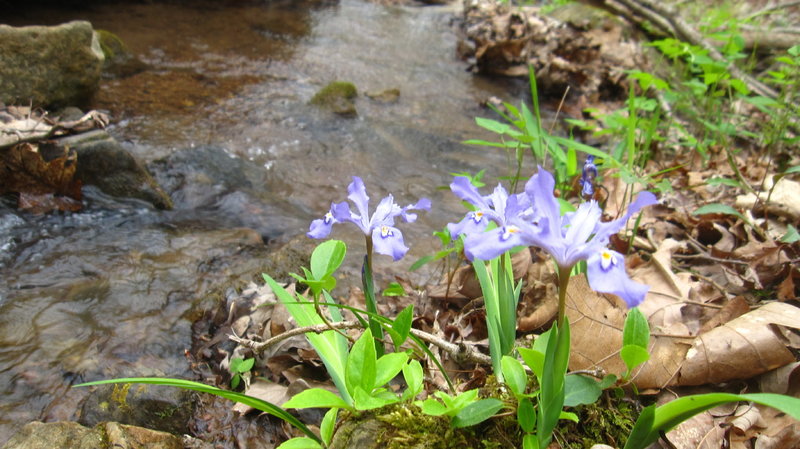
(238, 367)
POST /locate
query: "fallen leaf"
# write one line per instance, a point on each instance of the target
(784, 380)
(596, 323)
(742, 348)
(40, 171)
(267, 391)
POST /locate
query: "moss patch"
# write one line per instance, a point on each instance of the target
(337, 97)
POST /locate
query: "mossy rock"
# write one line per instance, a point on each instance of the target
(337, 97)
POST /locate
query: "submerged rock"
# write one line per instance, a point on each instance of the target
(70, 435)
(104, 163)
(119, 62)
(49, 66)
(337, 97)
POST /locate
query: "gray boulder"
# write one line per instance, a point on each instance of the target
(49, 66)
(104, 163)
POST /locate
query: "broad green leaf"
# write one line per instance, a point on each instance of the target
(300, 443)
(326, 258)
(330, 345)
(492, 125)
(433, 407)
(413, 375)
(476, 412)
(328, 425)
(366, 401)
(717, 208)
(246, 365)
(401, 326)
(534, 359)
(389, 366)
(636, 330)
(258, 404)
(526, 415)
(316, 398)
(580, 390)
(514, 375)
(791, 235)
(394, 289)
(529, 441)
(568, 416)
(361, 369)
(633, 356)
(669, 415)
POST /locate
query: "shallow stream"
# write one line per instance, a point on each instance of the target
(113, 290)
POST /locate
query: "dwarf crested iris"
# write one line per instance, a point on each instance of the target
(535, 220)
(378, 228)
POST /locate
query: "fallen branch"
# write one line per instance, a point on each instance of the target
(460, 352)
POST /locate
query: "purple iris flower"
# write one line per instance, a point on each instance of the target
(386, 238)
(569, 239)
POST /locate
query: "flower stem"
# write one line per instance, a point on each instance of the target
(563, 281)
(369, 298)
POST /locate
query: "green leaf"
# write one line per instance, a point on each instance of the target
(526, 415)
(476, 412)
(717, 208)
(420, 262)
(367, 401)
(636, 330)
(316, 398)
(534, 359)
(647, 427)
(791, 235)
(361, 369)
(633, 356)
(413, 375)
(514, 375)
(300, 443)
(492, 125)
(401, 326)
(433, 407)
(394, 289)
(529, 441)
(328, 425)
(715, 181)
(256, 403)
(246, 365)
(580, 390)
(389, 366)
(326, 258)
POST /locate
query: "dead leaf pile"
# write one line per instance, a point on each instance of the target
(503, 40)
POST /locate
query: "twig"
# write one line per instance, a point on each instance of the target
(769, 9)
(460, 352)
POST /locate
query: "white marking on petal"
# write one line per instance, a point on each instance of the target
(507, 231)
(328, 218)
(477, 216)
(386, 232)
(607, 259)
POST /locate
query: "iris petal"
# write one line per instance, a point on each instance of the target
(609, 276)
(388, 240)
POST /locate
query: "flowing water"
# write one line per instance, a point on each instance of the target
(113, 290)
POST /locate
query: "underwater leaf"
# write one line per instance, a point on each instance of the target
(44, 176)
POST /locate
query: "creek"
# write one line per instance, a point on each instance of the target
(113, 290)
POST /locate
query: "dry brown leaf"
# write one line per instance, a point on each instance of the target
(784, 380)
(745, 417)
(742, 348)
(267, 391)
(596, 326)
(39, 171)
(782, 432)
(734, 308)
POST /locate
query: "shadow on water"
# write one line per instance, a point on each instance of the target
(221, 117)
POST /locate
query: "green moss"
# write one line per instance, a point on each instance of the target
(606, 422)
(337, 97)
